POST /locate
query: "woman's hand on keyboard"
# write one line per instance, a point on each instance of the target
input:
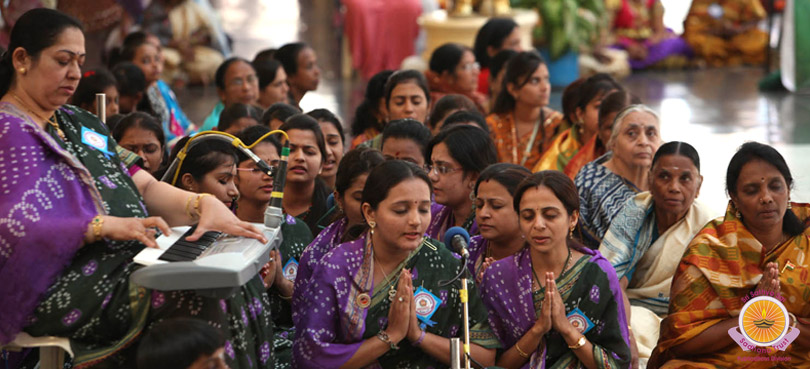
(138, 229)
(215, 216)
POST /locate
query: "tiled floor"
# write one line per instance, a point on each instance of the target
(716, 110)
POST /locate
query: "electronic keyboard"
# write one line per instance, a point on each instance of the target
(216, 265)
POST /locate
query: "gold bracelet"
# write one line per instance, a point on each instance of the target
(581, 342)
(795, 320)
(188, 205)
(520, 352)
(197, 204)
(97, 223)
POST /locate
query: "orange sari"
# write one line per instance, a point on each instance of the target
(586, 154)
(512, 149)
(723, 264)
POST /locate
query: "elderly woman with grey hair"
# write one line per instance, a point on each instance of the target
(607, 182)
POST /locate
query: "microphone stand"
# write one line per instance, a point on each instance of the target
(464, 296)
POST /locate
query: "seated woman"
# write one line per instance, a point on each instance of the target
(255, 189)
(236, 82)
(160, 100)
(208, 166)
(497, 69)
(304, 193)
(649, 235)
(237, 117)
(521, 124)
(371, 115)
(131, 85)
(351, 179)
(469, 118)
(584, 125)
(300, 64)
(496, 217)
(611, 105)
(638, 26)
(406, 96)
(277, 114)
(756, 248)
(446, 105)
(368, 289)
(496, 35)
(141, 134)
(98, 81)
(406, 139)
(607, 182)
(726, 32)
(453, 70)
(333, 136)
(457, 156)
(77, 285)
(273, 87)
(555, 304)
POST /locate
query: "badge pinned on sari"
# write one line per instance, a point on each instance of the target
(426, 305)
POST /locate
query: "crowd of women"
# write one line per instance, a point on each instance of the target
(586, 232)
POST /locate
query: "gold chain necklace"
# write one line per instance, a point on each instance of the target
(51, 121)
(392, 292)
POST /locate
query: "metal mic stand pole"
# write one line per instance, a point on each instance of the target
(465, 304)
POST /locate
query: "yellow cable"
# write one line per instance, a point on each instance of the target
(236, 142)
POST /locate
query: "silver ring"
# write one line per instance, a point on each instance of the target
(271, 259)
(400, 299)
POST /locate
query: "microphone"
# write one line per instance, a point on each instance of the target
(273, 216)
(457, 238)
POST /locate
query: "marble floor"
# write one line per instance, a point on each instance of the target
(715, 110)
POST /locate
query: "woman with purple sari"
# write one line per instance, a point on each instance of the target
(349, 182)
(378, 302)
(496, 217)
(555, 304)
(456, 157)
(76, 211)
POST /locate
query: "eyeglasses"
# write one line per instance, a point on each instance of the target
(440, 169)
(146, 149)
(471, 66)
(238, 82)
(257, 171)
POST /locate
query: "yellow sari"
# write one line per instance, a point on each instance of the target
(722, 264)
(560, 152)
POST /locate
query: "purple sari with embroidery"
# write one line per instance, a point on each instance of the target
(441, 219)
(327, 240)
(593, 303)
(346, 307)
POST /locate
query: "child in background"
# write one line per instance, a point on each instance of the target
(96, 81)
(131, 84)
(182, 343)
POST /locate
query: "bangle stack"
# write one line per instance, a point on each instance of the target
(193, 212)
(418, 342)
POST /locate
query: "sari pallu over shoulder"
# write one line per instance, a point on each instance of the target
(721, 266)
(590, 286)
(334, 323)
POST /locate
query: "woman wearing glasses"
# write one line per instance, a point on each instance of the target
(143, 135)
(453, 70)
(236, 83)
(255, 189)
(457, 156)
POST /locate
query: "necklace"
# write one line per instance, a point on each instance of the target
(528, 149)
(51, 121)
(392, 292)
(567, 265)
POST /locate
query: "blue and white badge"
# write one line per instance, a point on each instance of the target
(290, 269)
(95, 140)
(580, 321)
(426, 305)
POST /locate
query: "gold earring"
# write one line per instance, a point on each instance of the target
(571, 232)
(790, 206)
(22, 70)
(372, 224)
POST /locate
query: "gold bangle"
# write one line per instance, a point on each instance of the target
(795, 320)
(97, 223)
(581, 342)
(188, 205)
(197, 201)
(520, 352)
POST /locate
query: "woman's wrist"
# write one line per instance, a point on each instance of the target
(94, 230)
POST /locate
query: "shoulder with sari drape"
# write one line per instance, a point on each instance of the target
(721, 266)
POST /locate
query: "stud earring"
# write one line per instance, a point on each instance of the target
(22, 71)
